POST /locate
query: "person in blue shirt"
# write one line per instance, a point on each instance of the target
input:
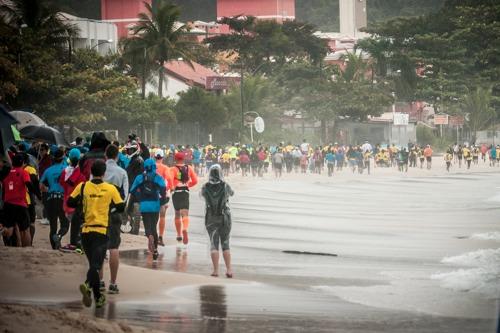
(330, 162)
(150, 190)
(55, 212)
(196, 159)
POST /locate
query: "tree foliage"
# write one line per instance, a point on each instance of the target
(267, 45)
(159, 35)
(198, 105)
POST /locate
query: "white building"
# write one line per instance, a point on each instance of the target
(94, 34)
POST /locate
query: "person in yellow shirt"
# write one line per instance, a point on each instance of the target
(467, 156)
(97, 199)
(31, 194)
(448, 157)
(225, 160)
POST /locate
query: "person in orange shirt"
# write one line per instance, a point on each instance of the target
(428, 156)
(183, 178)
(164, 172)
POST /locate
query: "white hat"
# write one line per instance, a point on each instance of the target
(159, 153)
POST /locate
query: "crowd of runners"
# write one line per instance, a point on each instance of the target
(96, 189)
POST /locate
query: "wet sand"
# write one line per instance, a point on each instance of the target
(390, 232)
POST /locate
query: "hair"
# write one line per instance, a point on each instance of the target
(18, 160)
(78, 140)
(44, 146)
(111, 152)
(98, 168)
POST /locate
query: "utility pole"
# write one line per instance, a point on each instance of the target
(242, 102)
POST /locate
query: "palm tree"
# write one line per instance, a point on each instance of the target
(356, 67)
(477, 104)
(41, 18)
(159, 33)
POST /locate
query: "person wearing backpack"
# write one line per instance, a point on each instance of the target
(16, 185)
(150, 190)
(50, 183)
(70, 178)
(183, 178)
(216, 193)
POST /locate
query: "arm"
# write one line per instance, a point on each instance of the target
(135, 184)
(118, 203)
(163, 191)
(74, 197)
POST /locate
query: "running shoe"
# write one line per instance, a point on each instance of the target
(100, 302)
(44, 222)
(86, 294)
(160, 241)
(179, 238)
(68, 248)
(113, 289)
(102, 286)
(155, 255)
(57, 241)
(185, 239)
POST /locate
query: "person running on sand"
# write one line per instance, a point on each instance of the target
(216, 193)
(50, 182)
(183, 178)
(428, 156)
(150, 190)
(118, 177)
(448, 157)
(16, 186)
(97, 199)
(70, 178)
(164, 172)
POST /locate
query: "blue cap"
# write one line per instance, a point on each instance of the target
(74, 154)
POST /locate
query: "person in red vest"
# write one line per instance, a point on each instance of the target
(183, 178)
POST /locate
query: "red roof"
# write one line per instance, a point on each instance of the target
(196, 75)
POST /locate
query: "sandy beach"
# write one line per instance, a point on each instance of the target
(414, 252)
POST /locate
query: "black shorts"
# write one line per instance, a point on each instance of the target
(114, 231)
(16, 215)
(429, 158)
(180, 198)
(32, 213)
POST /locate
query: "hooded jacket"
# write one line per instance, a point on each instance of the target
(149, 205)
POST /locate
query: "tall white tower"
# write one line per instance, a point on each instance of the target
(352, 16)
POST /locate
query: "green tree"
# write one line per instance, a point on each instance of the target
(160, 35)
(477, 105)
(198, 105)
(39, 16)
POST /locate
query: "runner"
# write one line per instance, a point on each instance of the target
(70, 178)
(467, 154)
(448, 157)
(16, 186)
(33, 192)
(330, 162)
(183, 178)
(278, 160)
(151, 192)
(50, 183)
(97, 199)
(428, 156)
(117, 176)
(218, 218)
(135, 168)
(164, 172)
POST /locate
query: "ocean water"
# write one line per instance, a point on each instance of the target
(426, 246)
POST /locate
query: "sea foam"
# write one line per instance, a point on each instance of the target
(483, 276)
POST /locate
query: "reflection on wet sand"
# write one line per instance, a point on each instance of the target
(213, 308)
(181, 262)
